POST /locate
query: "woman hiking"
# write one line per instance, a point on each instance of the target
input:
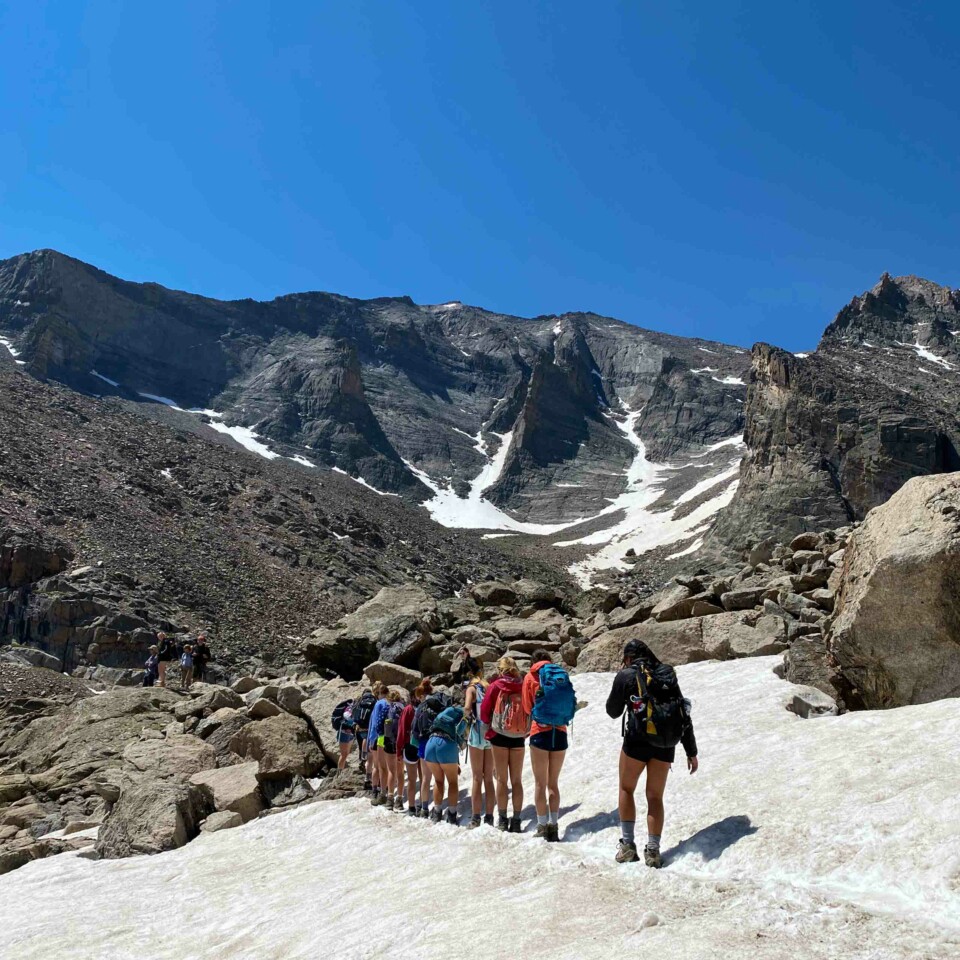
(442, 754)
(655, 718)
(502, 709)
(387, 750)
(379, 784)
(481, 750)
(549, 698)
(408, 748)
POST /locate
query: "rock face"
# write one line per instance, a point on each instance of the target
(282, 745)
(837, 432)
(896, 633)
(235, 789)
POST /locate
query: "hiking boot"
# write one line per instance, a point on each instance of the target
(388, 803)
(652, 858)
(423, 813)
(488, 820)
(553, 833)
(503, 825)
(451, 816)
(367, 786)
(475, 822)
(515, 825)
(542, 830)
(627, 852)
(435, 815)
(378, 801)
(413, 812)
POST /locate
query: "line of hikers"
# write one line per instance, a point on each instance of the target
(410, 751)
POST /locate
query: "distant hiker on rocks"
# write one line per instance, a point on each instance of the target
(656, 718)
(482, 793)
(201, 657)
(151, 669)
(343, 723)
(186, 667)
(502, 709)
(166, 651)
(549, 698)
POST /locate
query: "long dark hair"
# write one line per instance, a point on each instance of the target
(639, 652)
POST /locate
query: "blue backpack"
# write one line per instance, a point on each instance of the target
(556, 702)
(450, 724)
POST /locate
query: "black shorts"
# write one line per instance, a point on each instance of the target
(410, 753)
(511, 743)
(642, 751)
(553, 741)
(389, 748)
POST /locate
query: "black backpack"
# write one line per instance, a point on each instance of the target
(342, 713)
(362, 710)
(657, 713)
(426, 713)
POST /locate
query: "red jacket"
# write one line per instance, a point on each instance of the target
(405, 727)
(492, 695)
(531, 684)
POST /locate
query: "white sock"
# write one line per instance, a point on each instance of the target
(653, 841)
(553, 816)
(541, 821)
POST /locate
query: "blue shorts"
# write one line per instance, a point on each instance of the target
(346, 735)
(421, 749)
(440, 750)
(553, 741)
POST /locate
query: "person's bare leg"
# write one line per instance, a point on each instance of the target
(657, 773)
(489, 789)
(401, 782)
(426, 780)
(162, 673)
(451, 772)
(516, 779)
(438, 784)
(555, 765)
(344, 753)
(540, 763)
(476, 788)
(382, 766)
(412, 785)
(630, 771)
(501, 760)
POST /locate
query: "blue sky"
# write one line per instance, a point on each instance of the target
(733, 170)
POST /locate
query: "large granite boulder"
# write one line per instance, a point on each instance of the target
(896, 632)
(175, 757)
(236, 789)
(393, 675)
(282, 746)
(152, 816)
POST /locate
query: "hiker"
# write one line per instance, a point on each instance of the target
(201, 657)
(166, 651)
(655, 719)
(442, 754)
(373, 744)
(387, 745)
(502, 709)
(151, 668)
(549, 698)
(186, 667)
(408, 755)
(482, 796)
(432, 705)
(362, 709)
(343, 723)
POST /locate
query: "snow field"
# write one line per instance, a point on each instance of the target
(831, 838)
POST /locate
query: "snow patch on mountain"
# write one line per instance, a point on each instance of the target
(830, 839)
(12, 350)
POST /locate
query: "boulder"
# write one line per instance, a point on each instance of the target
(804, 557)
(743, 598)
(665, 601)
(235, 789)
(761, 553)
(392, 674)
(177, 757)
(813, 703)
(702, 608)
(267, 691)
(231, 723)
(474, 634)
(282, 745)
(513, 629)
(244, 684)
(527, 647)
(212, 723)
(318, 709)
(674, 642)
(823, 598)
(152, 816)
(627, 616)
(807, 663)
(286, 793)
(805, 541)
(35, 657)
(897, 618)
(335, 650)
(263, 708)
(536, 593)
(438, 659)
(290, 696)
(222, 820)
(457, 611)
(493, 593)
(768, 636)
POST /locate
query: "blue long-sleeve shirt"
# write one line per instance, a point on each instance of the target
(376, 720)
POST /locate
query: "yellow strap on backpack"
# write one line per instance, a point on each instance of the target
(651, 726)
